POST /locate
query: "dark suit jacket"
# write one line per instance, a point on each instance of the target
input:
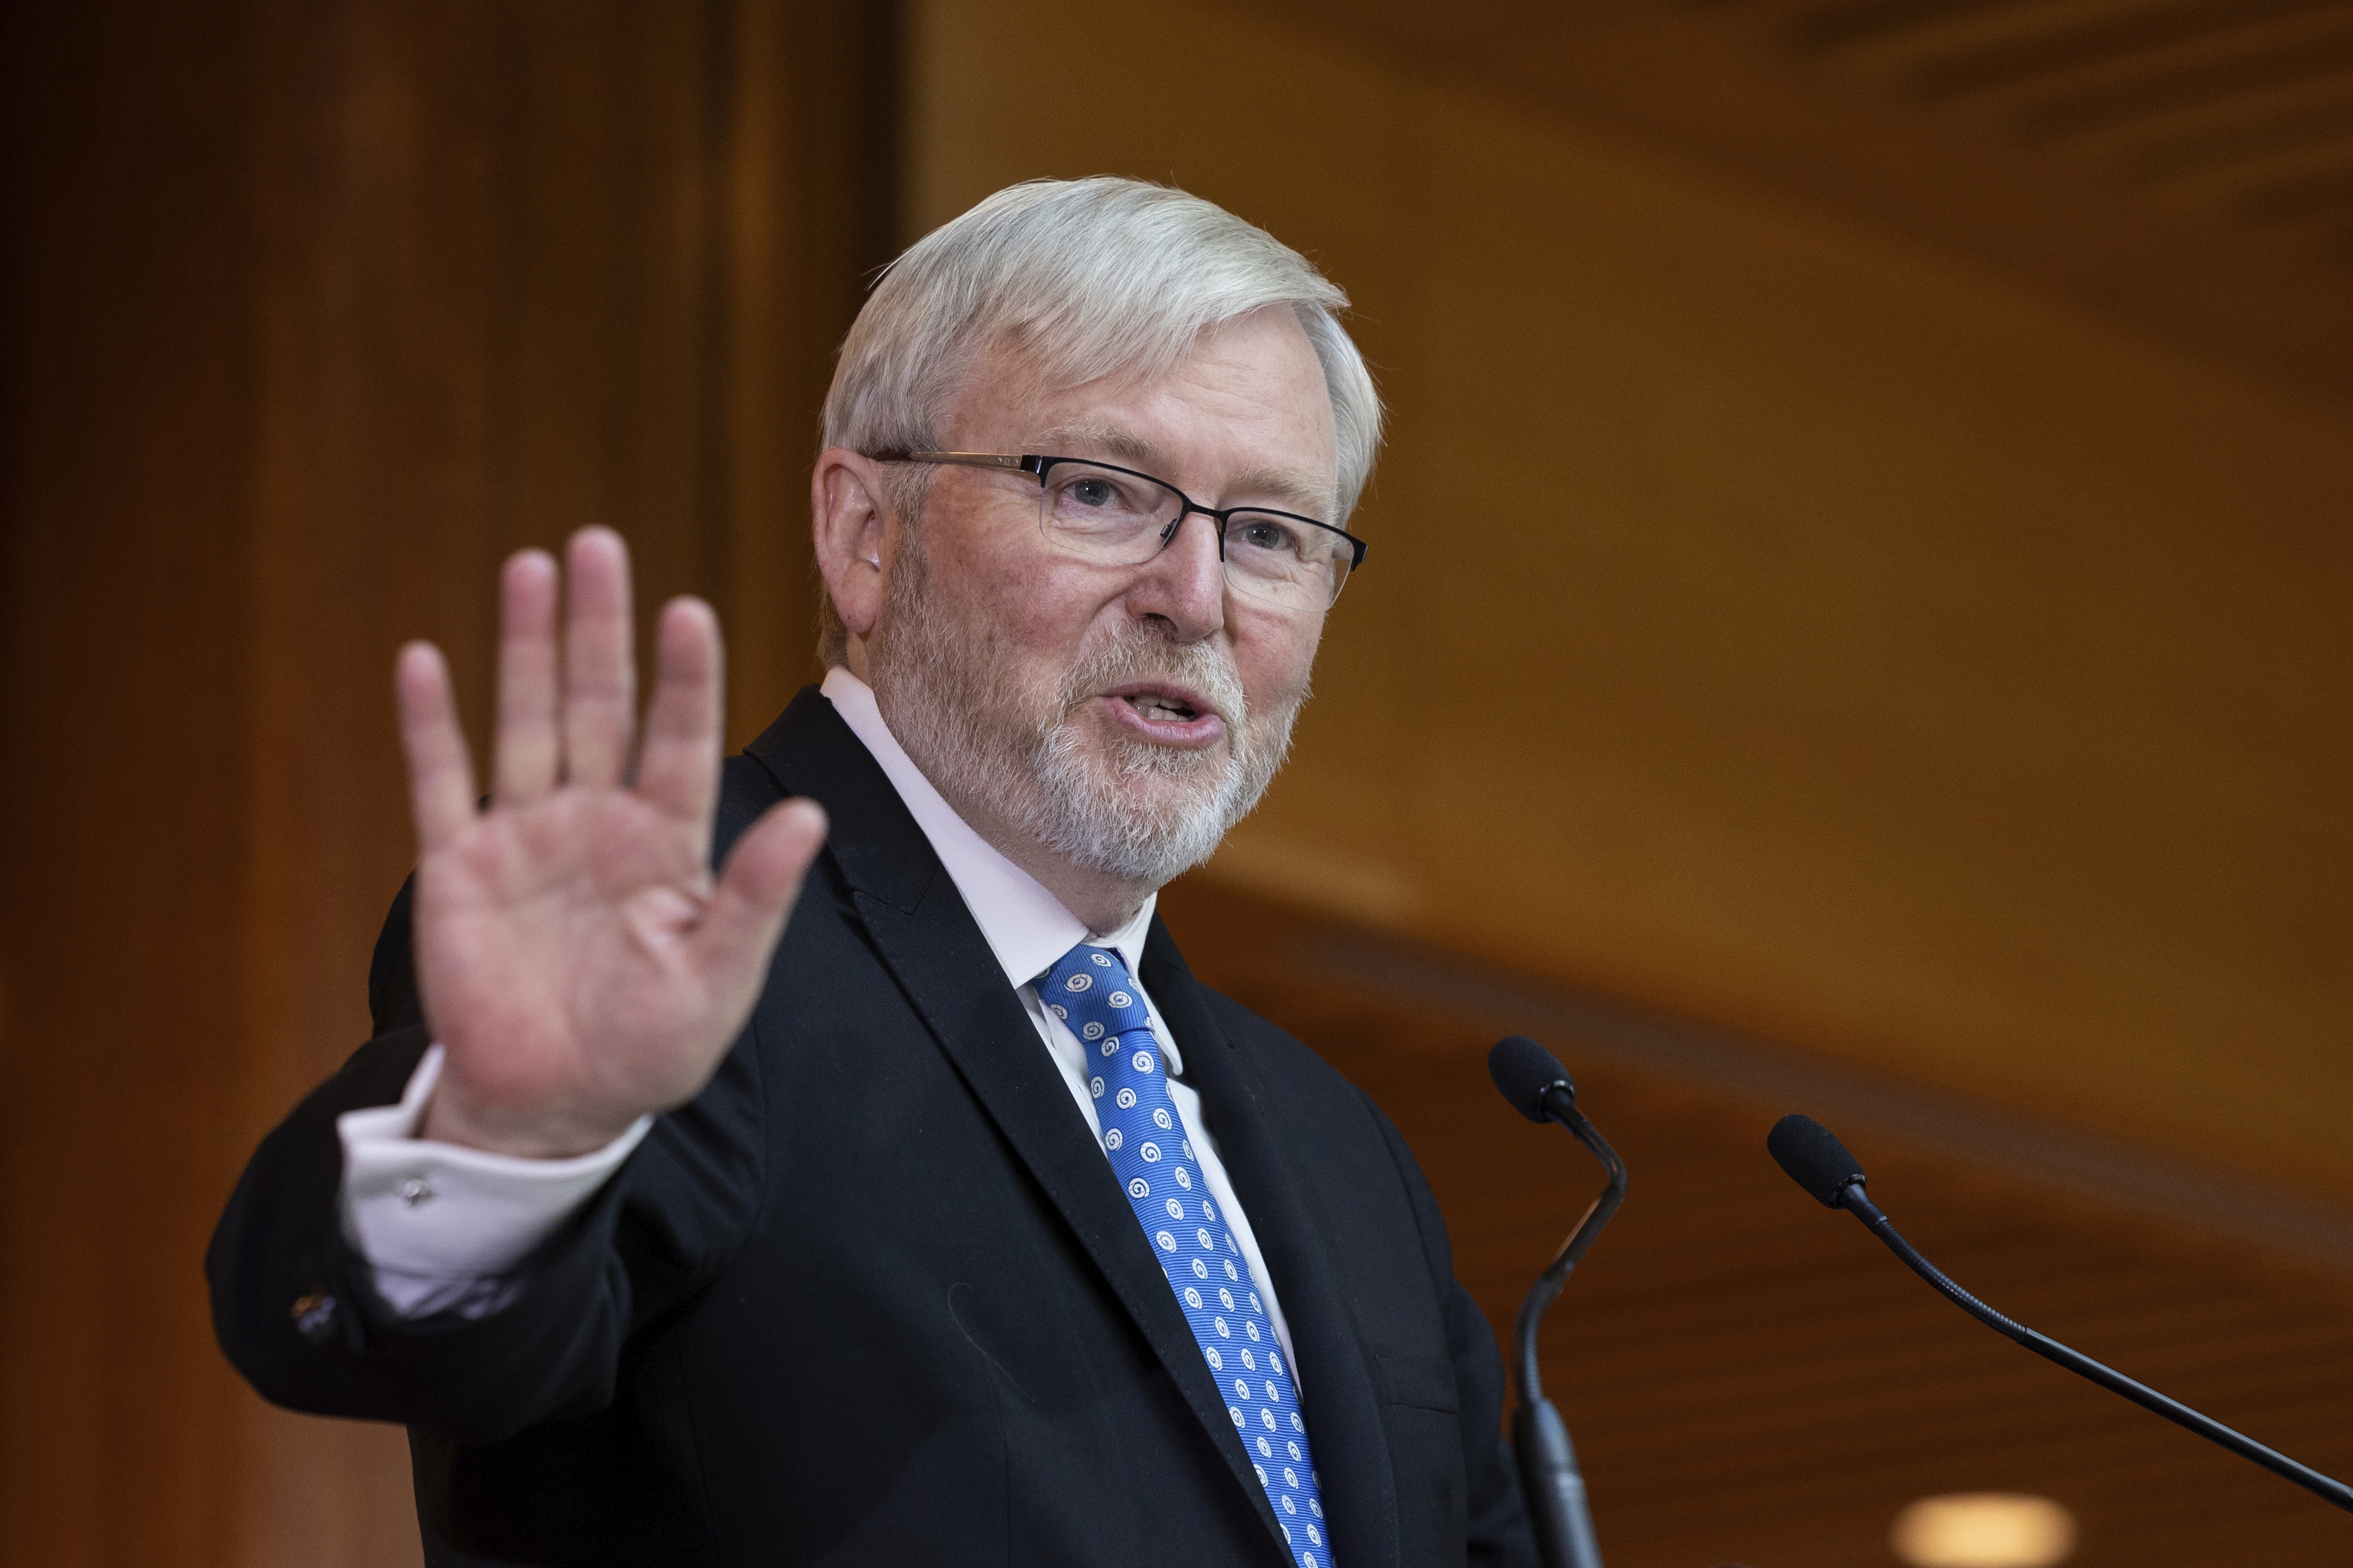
(875, 1296)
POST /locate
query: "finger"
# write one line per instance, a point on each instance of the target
(757, 891)
(440, 773)
(528, 754)
(599, 671)
(679, 768)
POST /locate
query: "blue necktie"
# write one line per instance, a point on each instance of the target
(1090, 990)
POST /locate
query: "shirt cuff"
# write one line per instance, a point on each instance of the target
(439, 1223)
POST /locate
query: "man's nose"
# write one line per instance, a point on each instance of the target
(1185, 585)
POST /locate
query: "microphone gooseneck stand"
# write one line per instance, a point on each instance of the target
(1541, 1091)
(1818, 1162)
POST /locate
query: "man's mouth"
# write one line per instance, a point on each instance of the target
(1161, 709)
(1169, 714)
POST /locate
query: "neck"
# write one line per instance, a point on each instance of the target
(1104, 902)
(1101, 901)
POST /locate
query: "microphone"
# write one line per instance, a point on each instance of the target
(1530, 1076)
(1540, 1088)
(1818, 1162)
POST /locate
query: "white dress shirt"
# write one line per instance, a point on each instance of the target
(441, 1225)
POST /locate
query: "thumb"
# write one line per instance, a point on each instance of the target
(758, 887)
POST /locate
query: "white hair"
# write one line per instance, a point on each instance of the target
(1089, 277)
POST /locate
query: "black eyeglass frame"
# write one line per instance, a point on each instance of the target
(1038, 466)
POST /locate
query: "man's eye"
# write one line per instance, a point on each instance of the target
(1269, 533)
(1092, 492)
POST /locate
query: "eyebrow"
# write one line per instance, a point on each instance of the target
(1310, 493)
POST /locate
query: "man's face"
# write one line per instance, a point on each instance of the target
(1119, 718)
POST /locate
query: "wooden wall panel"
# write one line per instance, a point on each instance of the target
(314, 311)
(128, 432)
(1768, 617)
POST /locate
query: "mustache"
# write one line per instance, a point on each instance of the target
(1143, 655)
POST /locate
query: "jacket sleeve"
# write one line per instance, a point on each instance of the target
(295, 1311)
(1499, 1534)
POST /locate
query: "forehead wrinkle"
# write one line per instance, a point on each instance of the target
(1290, 489)
(1107, 441)
(1304, 492)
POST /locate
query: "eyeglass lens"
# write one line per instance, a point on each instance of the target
(1125, 519)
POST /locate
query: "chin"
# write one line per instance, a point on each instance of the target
(1026, 751)
(1136, 811)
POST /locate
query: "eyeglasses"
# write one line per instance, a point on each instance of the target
(1117, 516)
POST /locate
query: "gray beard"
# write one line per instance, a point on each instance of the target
(1008, 754)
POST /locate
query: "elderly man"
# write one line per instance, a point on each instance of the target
(961, 1225)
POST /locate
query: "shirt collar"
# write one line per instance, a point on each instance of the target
(1026, 927)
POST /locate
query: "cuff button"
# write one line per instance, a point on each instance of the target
(314, 1317)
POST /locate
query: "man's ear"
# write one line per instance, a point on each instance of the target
(850, 509)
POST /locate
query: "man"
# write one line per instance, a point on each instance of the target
(962, 1225)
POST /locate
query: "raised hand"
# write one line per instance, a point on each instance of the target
(576, 961)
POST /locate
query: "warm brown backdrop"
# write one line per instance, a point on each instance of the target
(1752, 1379)
(1847, 572)
(314, 313)
(1796, 623)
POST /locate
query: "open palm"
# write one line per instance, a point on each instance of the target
(578, 960)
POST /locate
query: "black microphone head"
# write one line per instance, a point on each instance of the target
(1526, 1073)
(1814, 1158)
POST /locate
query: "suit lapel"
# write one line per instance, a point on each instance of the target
(1344, 1416)
(930, 941)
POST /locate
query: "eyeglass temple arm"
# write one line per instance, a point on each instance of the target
(1027, 464)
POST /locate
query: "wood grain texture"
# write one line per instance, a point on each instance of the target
(313, 313)
(2035, 139)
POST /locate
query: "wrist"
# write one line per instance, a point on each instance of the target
(536, 1133)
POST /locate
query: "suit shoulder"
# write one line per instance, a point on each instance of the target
(746, 790)
(1282, 1056)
